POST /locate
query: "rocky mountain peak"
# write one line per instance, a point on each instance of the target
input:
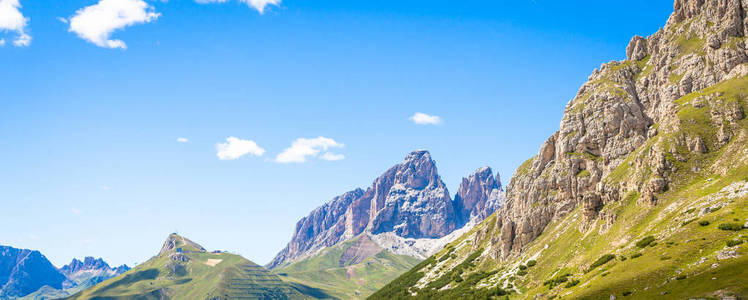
(409, 200)
(417, 155)
(686, 9)
(176, 244)
(479, 195)
(415, 202)
(626, 105)
(88, 263)
(417, 171)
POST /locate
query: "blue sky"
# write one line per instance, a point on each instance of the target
(89, 158)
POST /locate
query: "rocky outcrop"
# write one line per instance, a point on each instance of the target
(637, 48)
(178, 244)
(24, 271)
(478, 196)
(416, 203)
(86, 273)
(93, 265)
(629, 105)
(409, 200)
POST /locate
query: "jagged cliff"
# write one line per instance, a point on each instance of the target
(478, 196)
(359, 241)
(648, 146)
(409, 200)
(91, 265)
(622, 106)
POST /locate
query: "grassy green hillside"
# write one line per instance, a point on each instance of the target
(186, 271)
(47, 292)
(692, 243)
(343, 273)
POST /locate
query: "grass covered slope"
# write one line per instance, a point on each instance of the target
(184, 270)
(351, 270)
(692, 243)
(641, 194)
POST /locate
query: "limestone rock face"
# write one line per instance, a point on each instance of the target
(91, 265)
(637, 48)
(623, 106)
(479, 195)
(409, 200)
(416, 204)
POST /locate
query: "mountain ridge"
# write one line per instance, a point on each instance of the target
(24, 271)
(183, 269)
(647, 145)
(406, 215)
(28, 274)
(409, 200)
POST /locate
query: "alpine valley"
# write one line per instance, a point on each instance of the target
(363, 239)
(642, 193)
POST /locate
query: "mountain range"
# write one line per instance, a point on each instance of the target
(185, 270)
(641, 193)
(27, 274)
(357, 242)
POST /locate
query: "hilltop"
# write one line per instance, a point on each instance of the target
(185, 270)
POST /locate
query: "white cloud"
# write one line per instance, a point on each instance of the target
(2, 42)
(303, 148)
(424, 119)
(75, 211)
(105, 187)
(63, 20)
(182, 140)
(97, 22)
(259, 5)
(11, 19)
(331, 156)
(235, 148)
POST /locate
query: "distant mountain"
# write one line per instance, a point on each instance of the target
(27, 274)
(185, 270)
(478, 196)
(406, 215)
(642, 193)
(78, 270)
(24, 271)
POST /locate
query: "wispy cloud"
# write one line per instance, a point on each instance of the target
(301, 149)
(75, 211)
(182, 140)
(259, 5)
(97, 22)
(329, 156)
(235, 148)
(424, 119)
(11, 19)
